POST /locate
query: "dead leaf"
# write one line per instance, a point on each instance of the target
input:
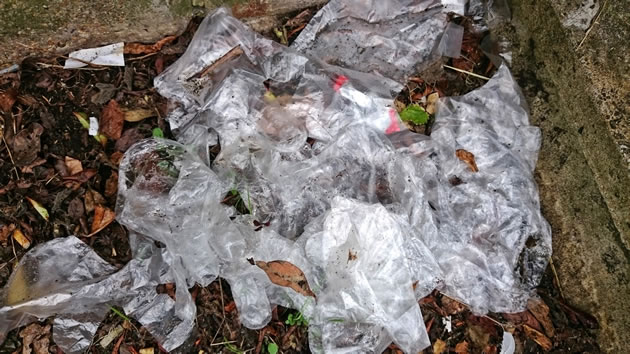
(116, 156)
(431, 102)
(112, 120)
(20, 238)
(140, 48)
(538, 337)
(439, 346)
(7, 99)
(128, 138)
(111, 185)
(524, 317)
(104, 94)
(76, 209)
(26, 144)
(102, 217)
(5, 231)
(461, 348)
(81, 177)
(36, 336)
(92, 199)
(73, 165)
(468, 158)
(146, 351)
(452, 306)
(137, 115)
(285, 274)
(40, 209)
(540, 310)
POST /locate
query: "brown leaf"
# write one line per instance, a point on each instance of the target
(540, 310)
(439, 346)
(137, 115)
(461, 348)
(140, 48)
(112, 120)
(75, 209)
(111, 185)
(524, 317)
(73, 165)
(538, 337)
(116, 156)
(5, 231)
(285, 274)
(20, 238)
(431, 102)
(36, 336)
(102, 217)
(468, 158)
(81, 177)
(452, 306)
(26, 144)
(92, 199)
(128, 138)
(7, 99)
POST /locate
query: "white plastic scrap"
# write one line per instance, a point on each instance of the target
(508, 346)
(110, 55)
(374, 215)
(93, 130)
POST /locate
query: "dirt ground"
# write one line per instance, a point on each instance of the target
(48, 157)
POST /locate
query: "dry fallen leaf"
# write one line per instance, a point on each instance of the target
(140, 48)
(540, 310)
(146, 351)
(112, 120)
(137, 115)
(285, 274)
(36, 336)
(431, 101)
(20, 238)
(102, 217)
(116, 157)
(40, 209)
(27, 144)
(439, 346)
(73, 165)
(452, 306)
(538, 337)
(468, 158)
(5, 231)
(461, 348)
(7, 99)
(111, 185)
(92, 199)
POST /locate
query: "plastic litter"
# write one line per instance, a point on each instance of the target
(508, 346)
(110, 55)
(375, 216)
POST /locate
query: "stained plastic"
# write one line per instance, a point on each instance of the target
(374, 215)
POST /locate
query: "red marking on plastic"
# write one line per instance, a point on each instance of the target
(339, 81)
(393, 125)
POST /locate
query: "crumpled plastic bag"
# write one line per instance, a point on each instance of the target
(375, 216)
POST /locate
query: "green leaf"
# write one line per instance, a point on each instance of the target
(83, 119)
(415, 114)
(158, 133)
(272, 348)
(40, 209)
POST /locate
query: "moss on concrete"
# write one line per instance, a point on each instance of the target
(582, 174)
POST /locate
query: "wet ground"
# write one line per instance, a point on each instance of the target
(44, 143)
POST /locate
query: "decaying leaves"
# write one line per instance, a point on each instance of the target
(538, 337)
(35, 338)
(7, 99)
(140, 48)
(285, 274)
(102, 217)
(5, 232)
(112, 120)
(20, 238)
(468, 158)
(136, 115)
(540, 310)
(431, 102)
(111, 185)
(461, 348)
(40, 209)
(27, 144)
(439, 346)
(73, 165)
(92, 199)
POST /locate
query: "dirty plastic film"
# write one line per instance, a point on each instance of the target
(375, 216)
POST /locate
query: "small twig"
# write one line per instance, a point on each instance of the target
(555, 275)
(84, 62)
(466, 72)
(223, 343)
(590, 28)
(143, 57)
(11, 157)
(234, 52)
(44, 65)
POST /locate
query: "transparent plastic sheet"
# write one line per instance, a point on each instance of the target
(393, 39)
(363, 208)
